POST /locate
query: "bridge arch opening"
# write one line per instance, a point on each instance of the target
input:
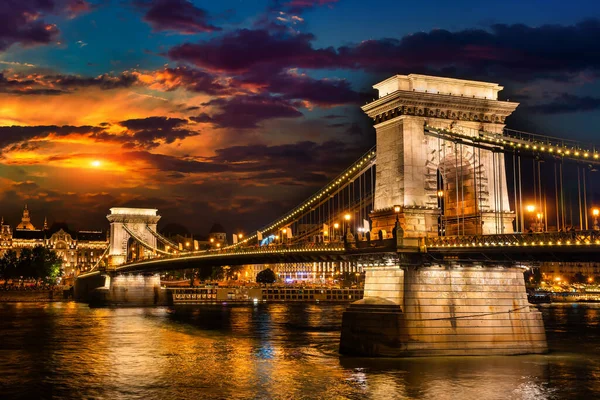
(460, 189)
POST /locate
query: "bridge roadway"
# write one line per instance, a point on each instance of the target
(580, 246)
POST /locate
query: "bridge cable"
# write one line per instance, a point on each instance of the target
(480, 207)
(542, 196)
(514, 168)
(99, 260)
(521, 195)
(462, 188)
(501, 174)
(585, 212)
(495, 183)
(140, 241)
(562, 195)
(579, 198)
(456, 215)
(557, 205)
(163, 239)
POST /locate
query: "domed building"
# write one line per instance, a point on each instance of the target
(26, 221)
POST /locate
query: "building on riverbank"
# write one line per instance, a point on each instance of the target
(79, 250)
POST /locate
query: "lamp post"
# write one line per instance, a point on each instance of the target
(595, 213)
(335, 227)
(540, 224)
(284, 235)
(530, 208)
(440, 196)
(347, 225)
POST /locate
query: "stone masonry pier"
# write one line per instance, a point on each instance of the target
(441, 311)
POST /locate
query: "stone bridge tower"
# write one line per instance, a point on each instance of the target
(136, 221)
(417, 171)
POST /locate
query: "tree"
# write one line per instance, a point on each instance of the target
(266, 276)
(24, 267)
(8, 265)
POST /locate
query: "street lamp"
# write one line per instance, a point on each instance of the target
(397, 211)
(595, 213)
(335, 227)
(539, 221)
(347, 227)
(530, 208)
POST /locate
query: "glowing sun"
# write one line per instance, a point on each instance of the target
(96, 163)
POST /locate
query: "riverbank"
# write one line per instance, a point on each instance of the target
(31, 296)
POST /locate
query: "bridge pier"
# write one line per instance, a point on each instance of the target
(442, 310)
(110, 289)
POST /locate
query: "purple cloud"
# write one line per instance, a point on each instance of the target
(244, 49)
(176, 15)
(21, 20)
(247, 111)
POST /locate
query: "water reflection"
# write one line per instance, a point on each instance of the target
(66, 350)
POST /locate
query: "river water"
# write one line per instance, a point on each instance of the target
(266, 351)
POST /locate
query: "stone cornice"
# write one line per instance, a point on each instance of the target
(432, 105)
(135, 219)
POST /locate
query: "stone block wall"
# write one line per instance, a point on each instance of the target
(385, 282)
(444, 311)
(457, 310)
(131, 290)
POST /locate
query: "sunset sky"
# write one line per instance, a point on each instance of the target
(235, 111)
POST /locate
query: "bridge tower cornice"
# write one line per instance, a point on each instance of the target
(133, 219)
(435, 105)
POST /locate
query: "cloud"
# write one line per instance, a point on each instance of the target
(16, 134)
(144, 133)
(37, 84)
(322, 92)
(190, 79)
(302, 160)
(181, 16)
(566, 103)
(244, 49)
(247, 111)
(21, 21)
(152, 131)
(299, 6)
(514, 52)
(168, 163)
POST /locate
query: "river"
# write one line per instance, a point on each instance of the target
(266, 351)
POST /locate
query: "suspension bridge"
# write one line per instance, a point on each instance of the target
(442, 214)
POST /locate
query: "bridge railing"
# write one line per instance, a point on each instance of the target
(271, 249)
(589, 237)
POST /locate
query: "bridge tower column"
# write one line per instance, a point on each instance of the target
(408, 160)
(137, 221)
